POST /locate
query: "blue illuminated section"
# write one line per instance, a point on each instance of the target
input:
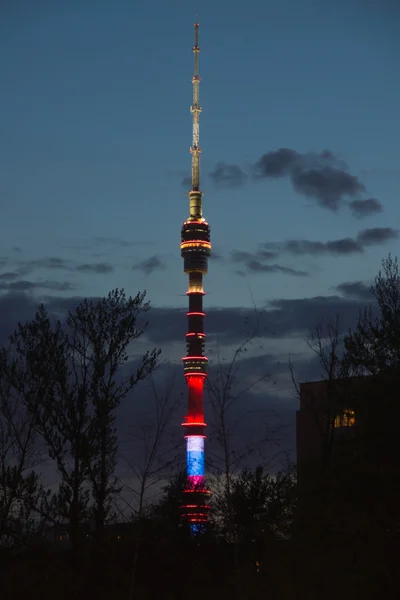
(197, 528)
(195, 455)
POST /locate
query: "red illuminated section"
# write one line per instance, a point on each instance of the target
(195, 414)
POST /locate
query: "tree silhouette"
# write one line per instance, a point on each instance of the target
(72, 377)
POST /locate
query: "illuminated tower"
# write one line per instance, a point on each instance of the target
(195, 250)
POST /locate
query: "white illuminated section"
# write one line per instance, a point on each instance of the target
(195, 443)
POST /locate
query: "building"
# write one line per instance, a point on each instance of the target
(352, 418)
(326, 412)
(195, 250)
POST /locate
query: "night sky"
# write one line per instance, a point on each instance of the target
(300, 163)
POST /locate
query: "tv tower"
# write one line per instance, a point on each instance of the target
(195, 250)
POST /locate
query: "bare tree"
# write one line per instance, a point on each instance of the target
(374, 346)
(157, 454)
(20, 490)
(73, 379)
(326, 342)
(225, 392)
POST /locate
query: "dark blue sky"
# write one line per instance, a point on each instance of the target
(95, 132)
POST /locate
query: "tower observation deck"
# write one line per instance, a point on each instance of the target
(195, 251)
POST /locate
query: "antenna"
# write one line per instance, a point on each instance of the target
(195, 109)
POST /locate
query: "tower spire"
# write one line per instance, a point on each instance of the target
(195, 150)
(196, 110)
(195, 250)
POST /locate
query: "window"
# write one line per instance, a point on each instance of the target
(345, 419)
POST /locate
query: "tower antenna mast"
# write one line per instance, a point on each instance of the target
(196, 110)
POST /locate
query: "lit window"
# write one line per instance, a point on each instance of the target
(345, 418)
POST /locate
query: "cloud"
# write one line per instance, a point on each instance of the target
(364, 208)
(62, 264)
(267, 254)
(343, 246)
(320, 176)
(256, 266)
(278, 319)
(377, 235)
(328, 185)
(9, 276)
(276, 164)
(243, 256)
(27, 286)
(297, 316)
(147, 266)
(254, 263)
(47, 263)
(95, 268)
(228, 176)
(217, 256)
(355, 290)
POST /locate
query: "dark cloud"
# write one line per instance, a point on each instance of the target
(377, 235)
(254, 263)
(276, 164)
(15, 308)
(217, 256)
(261, 254)
(242, 256)
(320, 176)
(343, 246)
(328, 185)
(154, 263)
(364, 208)
(62, 264)
(280, 318)
(95, 268)
(356, 290)
(267, 254)
(228, 176)
(256, 266)
(27, 286)
(9, 276)
(297, 316)
(51, 262)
